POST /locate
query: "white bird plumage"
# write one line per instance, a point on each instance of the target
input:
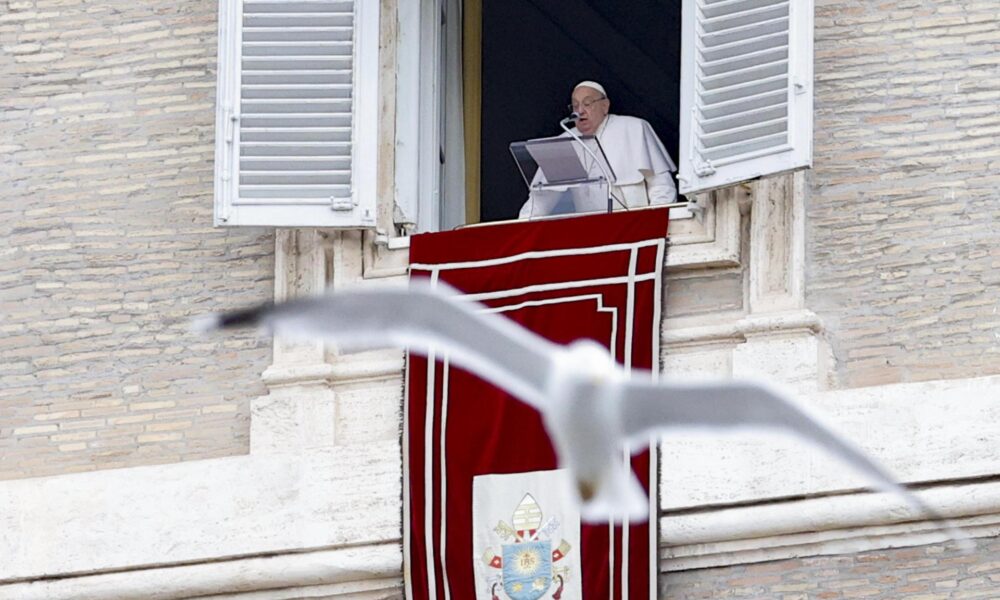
(589, 404)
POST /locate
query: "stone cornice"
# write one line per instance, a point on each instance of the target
(826, 525)
(327, 572)
(339, 372)
(289, 375)
(738, 330)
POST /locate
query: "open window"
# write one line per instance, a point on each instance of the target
(296, 123)
(726, 84)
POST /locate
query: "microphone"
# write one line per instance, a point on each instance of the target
(573, 116)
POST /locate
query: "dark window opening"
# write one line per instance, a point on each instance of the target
(535, 51)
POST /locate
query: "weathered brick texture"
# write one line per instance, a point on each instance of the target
(107, 133)
(920, 573)
(904, 215)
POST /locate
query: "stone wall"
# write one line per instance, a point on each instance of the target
(903, 218)
(107, 133)
(924, 572)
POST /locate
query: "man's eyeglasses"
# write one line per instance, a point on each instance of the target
(576, 106)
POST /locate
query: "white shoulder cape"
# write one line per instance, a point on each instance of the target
(633, 149)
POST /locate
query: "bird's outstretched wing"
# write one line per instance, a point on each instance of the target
(491, 346)
(719, 406)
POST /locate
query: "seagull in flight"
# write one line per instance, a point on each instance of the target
(590, 406)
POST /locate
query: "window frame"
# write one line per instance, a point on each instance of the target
(695, 176)
(356, 212)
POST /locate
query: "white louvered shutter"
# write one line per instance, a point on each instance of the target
(297, 113)
(746, 90)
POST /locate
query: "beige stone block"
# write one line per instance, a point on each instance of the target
(72, 447)
(144, 37)
(123, 444)
(130, 419)
(73, 437)
(168, 426)
(66, 414)
(36, 429)
(158, 437)
(89, 424)
(137, 406)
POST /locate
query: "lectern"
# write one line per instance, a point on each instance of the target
(564, 174)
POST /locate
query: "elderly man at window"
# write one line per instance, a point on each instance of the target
(643, 168)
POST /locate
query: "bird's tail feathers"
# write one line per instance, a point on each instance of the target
(248, 317)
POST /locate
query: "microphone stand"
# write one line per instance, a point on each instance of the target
(607, 176)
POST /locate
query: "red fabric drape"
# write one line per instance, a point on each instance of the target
(596, 277)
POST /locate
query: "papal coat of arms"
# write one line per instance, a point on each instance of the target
(525, 566)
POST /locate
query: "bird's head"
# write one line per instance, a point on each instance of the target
(592, 362)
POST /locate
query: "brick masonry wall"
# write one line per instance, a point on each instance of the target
(903, 222)
(919, 573)
(107, 133)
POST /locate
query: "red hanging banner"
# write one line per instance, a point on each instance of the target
(487, 511)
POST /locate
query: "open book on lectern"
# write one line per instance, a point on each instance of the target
(564, 175)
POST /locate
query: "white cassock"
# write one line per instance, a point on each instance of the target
(642, 168)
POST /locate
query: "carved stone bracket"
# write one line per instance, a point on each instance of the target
(300, 410)
(776, 336)
(711, 240)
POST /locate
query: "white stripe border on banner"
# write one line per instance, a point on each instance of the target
(629, 280)
(533, 254)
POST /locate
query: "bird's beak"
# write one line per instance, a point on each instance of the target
(617, 497)
(587, 489)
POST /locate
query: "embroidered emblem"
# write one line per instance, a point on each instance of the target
(524, 565)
